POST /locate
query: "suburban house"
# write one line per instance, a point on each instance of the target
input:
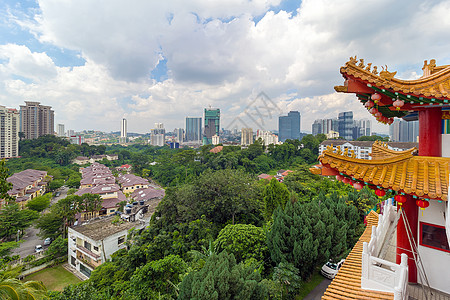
(27, 185)
(126, 168)
(130, 183)
(82, 160)
(148, 194)
(111, 196)
(96, 174)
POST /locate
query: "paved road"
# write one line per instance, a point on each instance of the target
(30, 238)
(318, 291)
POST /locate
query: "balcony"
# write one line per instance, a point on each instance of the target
(88, 252)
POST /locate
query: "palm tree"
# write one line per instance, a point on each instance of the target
(14, 289)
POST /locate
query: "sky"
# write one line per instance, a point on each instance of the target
(98, 61)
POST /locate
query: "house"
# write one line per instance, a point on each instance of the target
(147, 194)
(125, 167)
(111, 196)
(130, 183)
(27, 185)
(81, 160)
(265, 176)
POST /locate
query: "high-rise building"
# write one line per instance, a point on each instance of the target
(70, 132)
(267, 137)
(212, 124)
(403, 131)
(246, 136)
(325, 126)
(36, 120)
(179, 135)
(346, 125)
(361, 128)
(9, 132)
(289, 126)
(193, 129)
(60, 130)
(215, 139)
(123, 131)
(158, 135)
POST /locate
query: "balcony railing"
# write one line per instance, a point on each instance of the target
(88, 252)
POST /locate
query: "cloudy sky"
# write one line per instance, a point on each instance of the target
(97, 61)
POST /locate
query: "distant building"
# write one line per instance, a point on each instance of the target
(27, 185)
(289, 126)
(9, 132)
(158, 135)
(193, 129)
(60, 130)
(332, 134)
(36, 120)
(325, 126)
(174, 145)
(212, 124)
(267, 137)
(179, 135)
(246, 136)
(346, 125)
(70, 132)
(76, 139)
(403, 131)
(215, 139)
(123, 132)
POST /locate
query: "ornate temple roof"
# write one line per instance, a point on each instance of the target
(347, 283)
(433, 88)
(400, 171)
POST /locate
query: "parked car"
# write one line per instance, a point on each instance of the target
(48, 241)
(57, 194)
(38, 248)
(330, 269)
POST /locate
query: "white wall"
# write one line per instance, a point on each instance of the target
(446, 145)
(435, 262)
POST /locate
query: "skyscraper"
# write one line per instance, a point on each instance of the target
(36, 120)
(324, 126)
(346, 125)
(289, 126)
(123, 131)
(193, 129)
(9, 132)
(246, 136)
(60, 130)
(179, 135)
(403, 131)
(157, 135)
(212, 124)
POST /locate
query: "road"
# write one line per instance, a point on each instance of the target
(30, 238)
(318, 291)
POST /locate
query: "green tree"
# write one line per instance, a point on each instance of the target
(13, 219)
(14, 289)
(275, 194)
(287, 277)
(5, 186)
(39, 203)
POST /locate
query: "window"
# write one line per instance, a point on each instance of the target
(96, 248)
(87, 245)
(121, 240)
(73, 261)
(433, 236)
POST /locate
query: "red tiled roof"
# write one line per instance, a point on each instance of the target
(147, 194)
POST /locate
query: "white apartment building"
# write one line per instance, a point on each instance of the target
(246, 136)
(123, 131)
(9, 132)
(267, 137)
(60, 130)
(215, 139)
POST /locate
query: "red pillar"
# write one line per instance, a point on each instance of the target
(430, 138)
(411, 210)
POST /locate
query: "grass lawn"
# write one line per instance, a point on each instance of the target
(307, 287)
(54, 279)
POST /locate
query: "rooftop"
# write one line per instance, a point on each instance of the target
(102, 228)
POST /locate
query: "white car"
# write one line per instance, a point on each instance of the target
(38, 248)
(330, 269)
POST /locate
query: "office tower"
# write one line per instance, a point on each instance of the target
(70, 132)
(9, 132)
(123, 131)
(346, 125)
(36, 120)
(403, 131)
(361, 128)
(246, 136)
(179, 135)
(289, 126)
(60, 130)
(157, 135)
(193, 129)
(212, 124)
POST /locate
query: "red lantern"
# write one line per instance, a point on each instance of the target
(400, 199)
(369, 104)
(422, 204)
(373, 110)
(377, 114)
(380, 193)
(358, 185)
(339, 177)
(398, 104)
(376, 97)
(346, 180)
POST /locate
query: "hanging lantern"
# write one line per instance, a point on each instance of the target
(390, 121)
(373, 110)
(380, 193)
(369, 104)
(377, 114)
(376, 97)
(400, 199)
(339, 177)
(422, 204)
(358, 185)
(346, 180)
(398, 104)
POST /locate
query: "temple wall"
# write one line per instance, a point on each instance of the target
(435, 262)
(446, 145)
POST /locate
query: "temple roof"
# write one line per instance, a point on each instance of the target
(433, 88)
(347, 283)
(401, 171)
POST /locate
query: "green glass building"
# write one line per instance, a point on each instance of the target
(212, 124)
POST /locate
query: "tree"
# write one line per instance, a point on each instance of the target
(275, 194)
(5, 186)
(287, 276)
(39, 203)
(13, 219)
(373, 138)
(11, 288)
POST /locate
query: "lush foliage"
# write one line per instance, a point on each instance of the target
(39, 203)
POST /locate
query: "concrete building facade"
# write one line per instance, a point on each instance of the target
(246, 136)
(212, 124)
(123, 131)
(36, 120)
(9, 132)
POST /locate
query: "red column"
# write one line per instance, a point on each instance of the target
(411, 210)
(430, 138)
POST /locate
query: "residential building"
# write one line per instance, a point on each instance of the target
(111, 197)
(332, 134)
(403, 131)
(27, 185)
(36, 120)
(267, 137)
(346, 125)
(123, 132)
(60, 130)
(148, 194)
(246, 136)
(179, 135)
(215, 139)
(9, 132)
(129, 183)
(212, 124)
(325, 126)
(76, 139)
(70, 132)
(158, 135)
(193, 129)
(289, 126)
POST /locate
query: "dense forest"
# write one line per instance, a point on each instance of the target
(219, 233)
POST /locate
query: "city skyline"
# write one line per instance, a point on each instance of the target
(139, 73)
